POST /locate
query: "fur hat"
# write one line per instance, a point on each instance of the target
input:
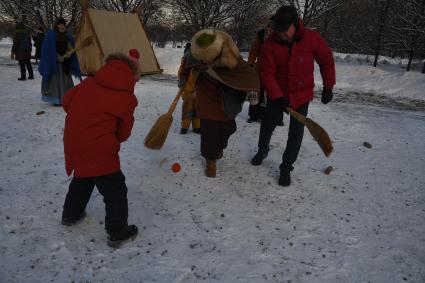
(133, 65)
(211, 45)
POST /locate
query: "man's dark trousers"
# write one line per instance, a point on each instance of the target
(26, 63)
(295, 133)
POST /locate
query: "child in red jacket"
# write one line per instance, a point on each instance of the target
(99, 118)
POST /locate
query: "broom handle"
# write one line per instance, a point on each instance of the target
(174, 103)
(301, 118)
(73, 50)
(84, 44)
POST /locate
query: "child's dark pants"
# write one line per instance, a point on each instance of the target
(114, 191)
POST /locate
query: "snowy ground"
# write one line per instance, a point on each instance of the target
(362, 223)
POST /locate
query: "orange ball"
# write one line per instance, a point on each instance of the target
(176, 167)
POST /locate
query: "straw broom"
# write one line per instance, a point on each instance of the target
(159, 131)
(318, 133)
(86, 42)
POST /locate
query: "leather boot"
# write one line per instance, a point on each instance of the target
(211, 168)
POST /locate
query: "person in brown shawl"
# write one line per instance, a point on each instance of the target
(222, 81)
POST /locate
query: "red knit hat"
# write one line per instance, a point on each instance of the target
(134, 53)
(134, 56)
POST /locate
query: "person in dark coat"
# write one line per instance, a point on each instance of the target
(287, 74)
(56, 67)
(21, 51)
(220, 75)
(99, 117)
(38, 41)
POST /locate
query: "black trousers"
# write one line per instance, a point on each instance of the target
(295, 133)
(114, 191)
(26, 63)
(214, 137)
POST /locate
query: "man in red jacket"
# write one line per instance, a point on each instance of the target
(286, 72)
(99, 118)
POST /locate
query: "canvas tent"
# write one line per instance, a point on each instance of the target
(113, 32)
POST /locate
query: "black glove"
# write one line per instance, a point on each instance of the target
(281, 103)
(327, 95)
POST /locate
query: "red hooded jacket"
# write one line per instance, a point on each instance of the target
(99, 117)
(289, 71)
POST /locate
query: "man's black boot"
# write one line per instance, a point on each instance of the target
(285, 177)
(260, 156)
(124, 236)
(73, 221)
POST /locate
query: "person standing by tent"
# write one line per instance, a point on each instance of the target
(286, 71)
(55, 68)
(21, 51)
(189, 115)
(222, 80)
(99, 118)
(38, 41)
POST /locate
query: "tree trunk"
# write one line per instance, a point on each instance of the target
(423, 68)
(305, 13)
(409, 64)
(325, 27)
(382, 18)
(378, 48)
(412, 51)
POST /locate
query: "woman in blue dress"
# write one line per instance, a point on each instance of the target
(55, 68)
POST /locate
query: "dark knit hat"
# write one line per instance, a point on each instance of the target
(187, 48)
(60, 21)
(20, 25)
(284, 17)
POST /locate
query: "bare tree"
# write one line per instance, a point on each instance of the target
(147, 9)
(252, 16)
(199, 14)
(410, 27)
(415, 16)
(312, 10)
(39, 12)
(382, 8)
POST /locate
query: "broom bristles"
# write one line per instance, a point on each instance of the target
(320, 135)
(159, 131)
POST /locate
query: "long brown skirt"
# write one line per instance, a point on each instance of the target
(214, 137)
